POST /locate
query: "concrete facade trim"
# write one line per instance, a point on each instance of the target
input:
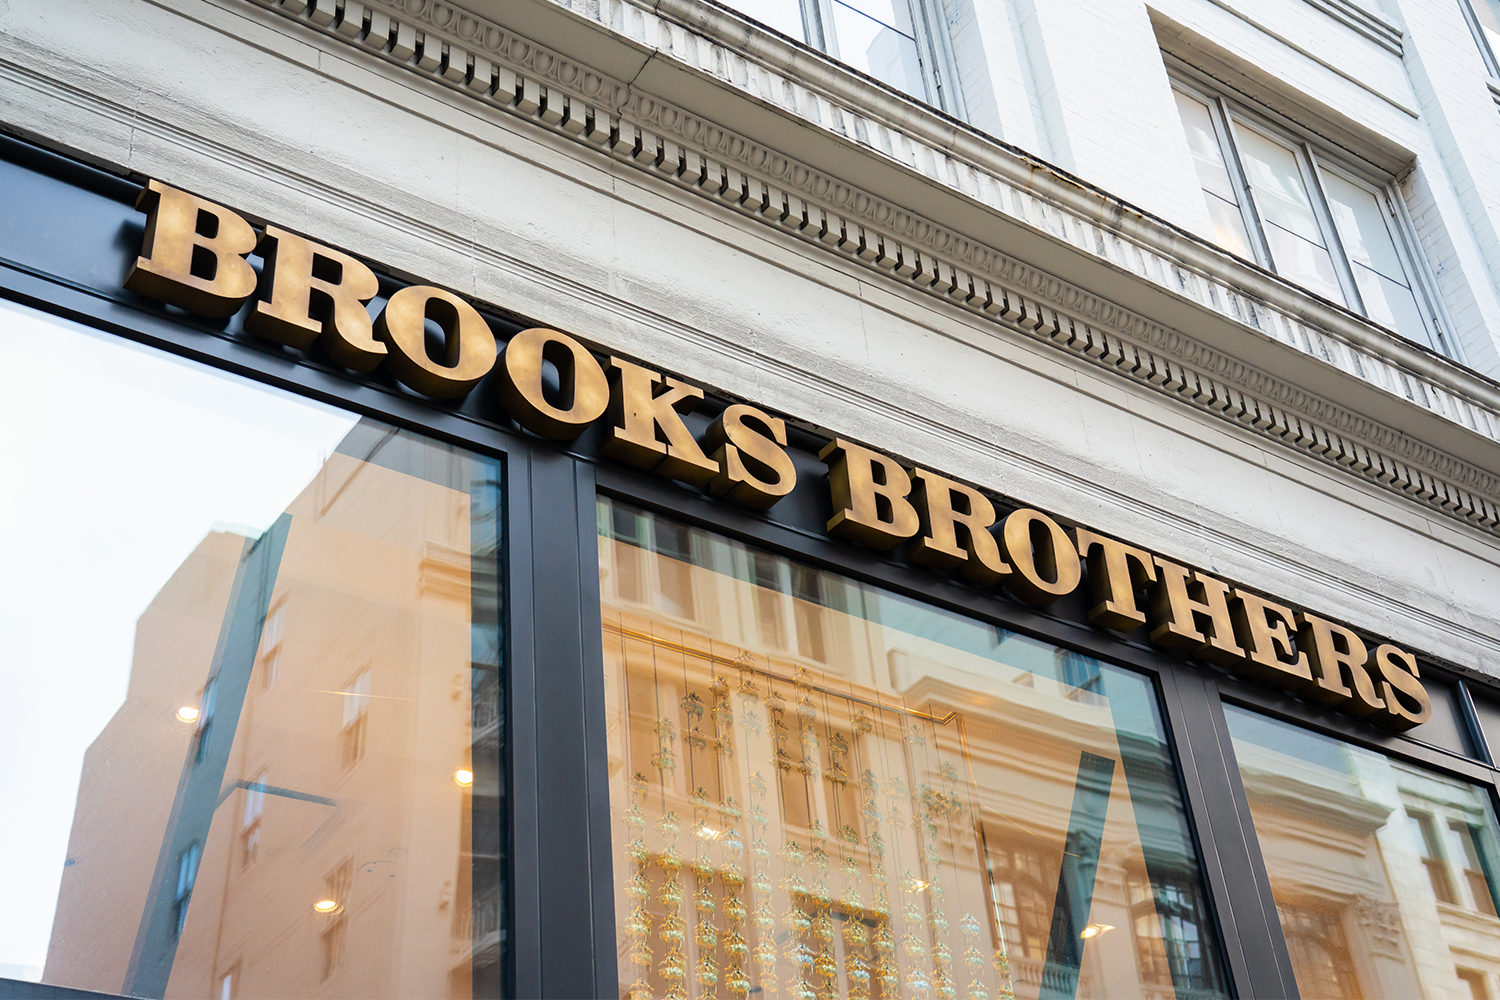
(537, 83)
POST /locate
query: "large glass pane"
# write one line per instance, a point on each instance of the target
(1308, 264)
(1275, 179)
(1366, 235)
(1383, 872)
(1299, 250)
(1218, 189)
(878, 48)
(823, 789)
(784, 16)
(1392, 304)
(891, 13)
(251, 682)
(1362, 226)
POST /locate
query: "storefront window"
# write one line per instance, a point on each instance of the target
(821, 788)
(1383, 871)
(251, 686)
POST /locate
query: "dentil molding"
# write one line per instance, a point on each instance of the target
(488, 62)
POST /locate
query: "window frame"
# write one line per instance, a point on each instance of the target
(939, 66)
(1487, 52)
(1314, 158)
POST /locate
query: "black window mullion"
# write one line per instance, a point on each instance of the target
(1237, 882)
(570, 888)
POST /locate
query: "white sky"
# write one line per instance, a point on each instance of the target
(116, 461)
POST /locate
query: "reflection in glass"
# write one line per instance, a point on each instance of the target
(302, 836)
(822, 788)
(1213, 176)
(873, 36)
(1298, 249)
(1378, 272)
(1488, 13)
(874, 44)
(1383, 872)
(784, 16)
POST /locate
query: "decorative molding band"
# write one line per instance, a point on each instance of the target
(1000, 179)
(1372, 25)
(507, 71)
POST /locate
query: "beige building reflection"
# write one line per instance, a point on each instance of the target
(340, 857)
(1378, 867)
(812, 802)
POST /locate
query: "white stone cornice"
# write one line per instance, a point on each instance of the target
(490, 62)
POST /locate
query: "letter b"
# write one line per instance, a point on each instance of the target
(193, 255)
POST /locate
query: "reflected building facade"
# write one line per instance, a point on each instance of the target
(824, 789)
(357, 735)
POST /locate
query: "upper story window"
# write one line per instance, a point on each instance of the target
(1484, 21)
(898, 42)
(1275, 200)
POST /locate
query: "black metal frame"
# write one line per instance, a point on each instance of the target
(561, 908)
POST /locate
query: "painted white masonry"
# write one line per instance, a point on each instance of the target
(666, 181)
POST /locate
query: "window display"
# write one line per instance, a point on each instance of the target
(821, 788)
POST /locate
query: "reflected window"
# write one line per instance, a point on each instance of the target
(356, 719)
(901, 43)
(1167, 921)
(270, 644)
(1320, 951)
(821, 788)
(194, 812)
(255, 806)
(187, 875)
(1354, 844)
(1465, 839)
(1432, 858)
(1274, 200)
(1476, 984)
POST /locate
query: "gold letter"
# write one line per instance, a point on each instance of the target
(469, 346)
(869, 496)
(1034, 563)
(193, 255)
(1116, 570)
(1264, 629)
(584, 389)
(1175, 609)
(1321, 640)
(1399, 668)
(979, 557)
(648, 431)
(297, 270)
(756, 472)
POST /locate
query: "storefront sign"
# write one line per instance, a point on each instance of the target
(193, 256)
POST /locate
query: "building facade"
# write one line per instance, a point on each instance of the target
(897, 498)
